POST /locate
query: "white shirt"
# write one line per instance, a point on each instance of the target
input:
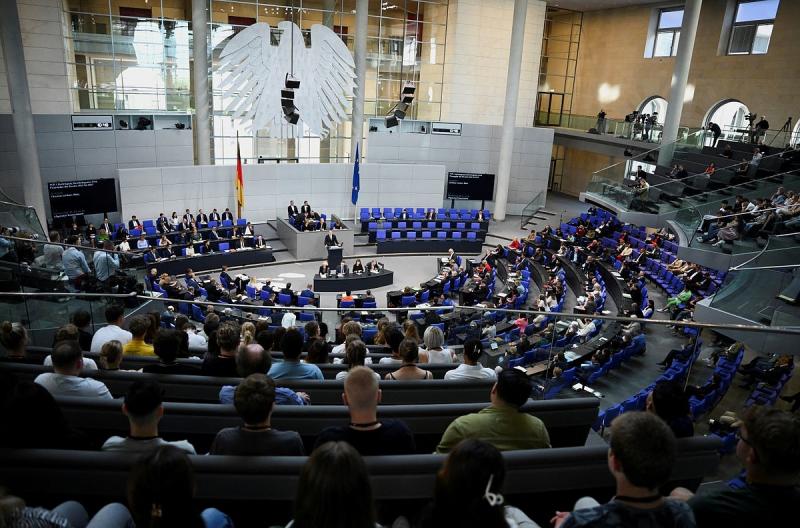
(62, 385)
(343, 374)
(196, 341)
(338, 349)
(109, 333)
(142, 244)
(288, 320)
(118, 443)
(470, 372)
(439, 356)
(88, 363)
(587, 329)
(390, 361)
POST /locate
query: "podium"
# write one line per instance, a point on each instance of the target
(334, 256)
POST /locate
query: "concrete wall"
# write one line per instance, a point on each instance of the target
(146, 192)
(67, 155)
(476, 61)
(578, 168)
(613, 73)
(476, 150)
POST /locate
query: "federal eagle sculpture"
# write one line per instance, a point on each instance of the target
(253, 72)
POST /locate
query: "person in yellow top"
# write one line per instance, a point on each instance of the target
(138, 326)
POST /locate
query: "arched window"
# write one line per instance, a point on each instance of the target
(655, 105)
(729, 114)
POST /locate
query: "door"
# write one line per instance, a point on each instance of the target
(550, 106)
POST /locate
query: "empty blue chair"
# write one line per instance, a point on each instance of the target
(227, 223)
(135, 232)
(426, 234)
(431, 225)
(372, 226)
(445, 225)
(475, 225)
(285, 299)
(441, 234)
(380, 235)
(241, 222)
(461, 225)
(402, 225)
(224, 246)
(251, 291)
(407, 300)
(303, 301)
(411, 235)
(395, 235)
(416, 225)
(197, 314)
(370, 304)
(150, 231)
(472, 235)
(458, 260)
(457, 234)
(148, 223)
(213, 223)
(424, 296)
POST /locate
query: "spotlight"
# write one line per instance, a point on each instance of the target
(398, 112)
(408, 93)
(391, 121)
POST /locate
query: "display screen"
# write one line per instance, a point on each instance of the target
(470, 186)
(82, 197)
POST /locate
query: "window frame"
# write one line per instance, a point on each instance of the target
(673, 30)
(756, 23)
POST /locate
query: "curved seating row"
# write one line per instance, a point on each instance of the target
(186, 388)
(567, 421)
(389, 213)
(263, 488)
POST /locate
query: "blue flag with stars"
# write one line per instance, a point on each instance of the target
(356, 179)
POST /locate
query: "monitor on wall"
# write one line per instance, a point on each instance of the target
(82, 197)
(470, 186)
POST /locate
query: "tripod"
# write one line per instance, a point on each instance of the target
(787, 127)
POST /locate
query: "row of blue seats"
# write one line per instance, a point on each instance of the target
(473, 226)
(726, 370)
(419, 213)
(151, 230)
(380, 235)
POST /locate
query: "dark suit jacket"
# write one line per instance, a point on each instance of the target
(213, 235)
(201, 218)
(293, 211)
(108, 227)
(227, 215)
(324, 270)
(305, 209)
(214, 217)
(134, 225)
(331, 241)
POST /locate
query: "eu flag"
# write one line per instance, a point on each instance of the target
(356, 179)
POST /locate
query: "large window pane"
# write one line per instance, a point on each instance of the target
(760, 10)
(670, 19)
(761, 42)
(742, 39)
(663, 44)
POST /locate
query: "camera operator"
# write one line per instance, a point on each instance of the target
(601, 122)
(751, 126)
(761, 129)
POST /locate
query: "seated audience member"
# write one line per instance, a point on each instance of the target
(641, 454)
(82, 321)
(669, 402)
(334, 490)
(115, 317)
(393, 340)
(471, 369)
(318, 352)
(254, 401)
(366, 433)
(355, 356)
(139, 325)
(111, 356)
(291, 367)
(167, 346)
(14, 339)
(769, 448)
(502, 424)
(408, 351)
(67, 360)
(255, 359)
(308, 292)
(467, 491)
(435, 351)
(161, 488)
(144, 409)
(348, 328)
(410, 331)
(224, 363)
(69, 332)
(32, 419)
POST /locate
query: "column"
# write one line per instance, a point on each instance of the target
(22, 115)
(680, 74)
(200, 71)
(510, 113)
(329, 6)
(360, 57)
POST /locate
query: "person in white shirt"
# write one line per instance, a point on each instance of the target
(356, 357)
(65, 381)
(124, 245)
(53, 252)
(144, 409)
(471, 369)
(288, 320)
(349, 328)
(142, 243)
(434, 351)
(115, 317)
(585, 328)
(88, 363)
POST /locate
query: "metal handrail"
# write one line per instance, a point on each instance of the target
(307, 308)
(642, 154)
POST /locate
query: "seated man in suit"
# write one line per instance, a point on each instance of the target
(305, 208)
(225, 278)
(331, 240)
(214, 216)
(324, 269)
(214, 235)
(201, 219)
(431, 214)
(343, 269)
(374, 266)
(292, 210)
(134, 223)
(479, 217)
(368, 297)
(308, 292)
(404, 215)
(107, 225)
(227, 215)
(188, 217)
(162, 224)
(452, 258)
(191, 280)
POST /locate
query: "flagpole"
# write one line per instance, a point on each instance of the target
(239, 183)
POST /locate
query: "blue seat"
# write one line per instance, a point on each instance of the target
(250, 291)
(303, 301)
(411, 235)
(402, 225)
(431, 225)
(370, 304)
(197, 314)
(372, 226)
(150, 231)
(135, 232)
(461, 225)
(458, 260)
(148, 223)
(441, 234)
(472, 235)
(285, 299)
(347, 304)
(425, 296)
(407, 300)
(224, 246)
(445, 225)
(475, 225)
(265, 295)
(213, 223)
(426, 234)
(416, 225)
(227, 223)
(395, 235)
(241, 222)
(456, 234)
(380, 234)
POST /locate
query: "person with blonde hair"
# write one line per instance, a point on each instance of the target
(410, 330)
(248, 333)
(110, 355)
(435, 351)
(355, 356)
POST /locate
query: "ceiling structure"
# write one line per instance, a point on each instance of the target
(595, 5)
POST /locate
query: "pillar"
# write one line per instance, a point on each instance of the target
(360, 57)
(680, 74)
(22, 115)
(510, 113)
(328, 6)
(202, 114)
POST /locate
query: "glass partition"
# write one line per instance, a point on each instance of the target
(532, 208)
(19, 218)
